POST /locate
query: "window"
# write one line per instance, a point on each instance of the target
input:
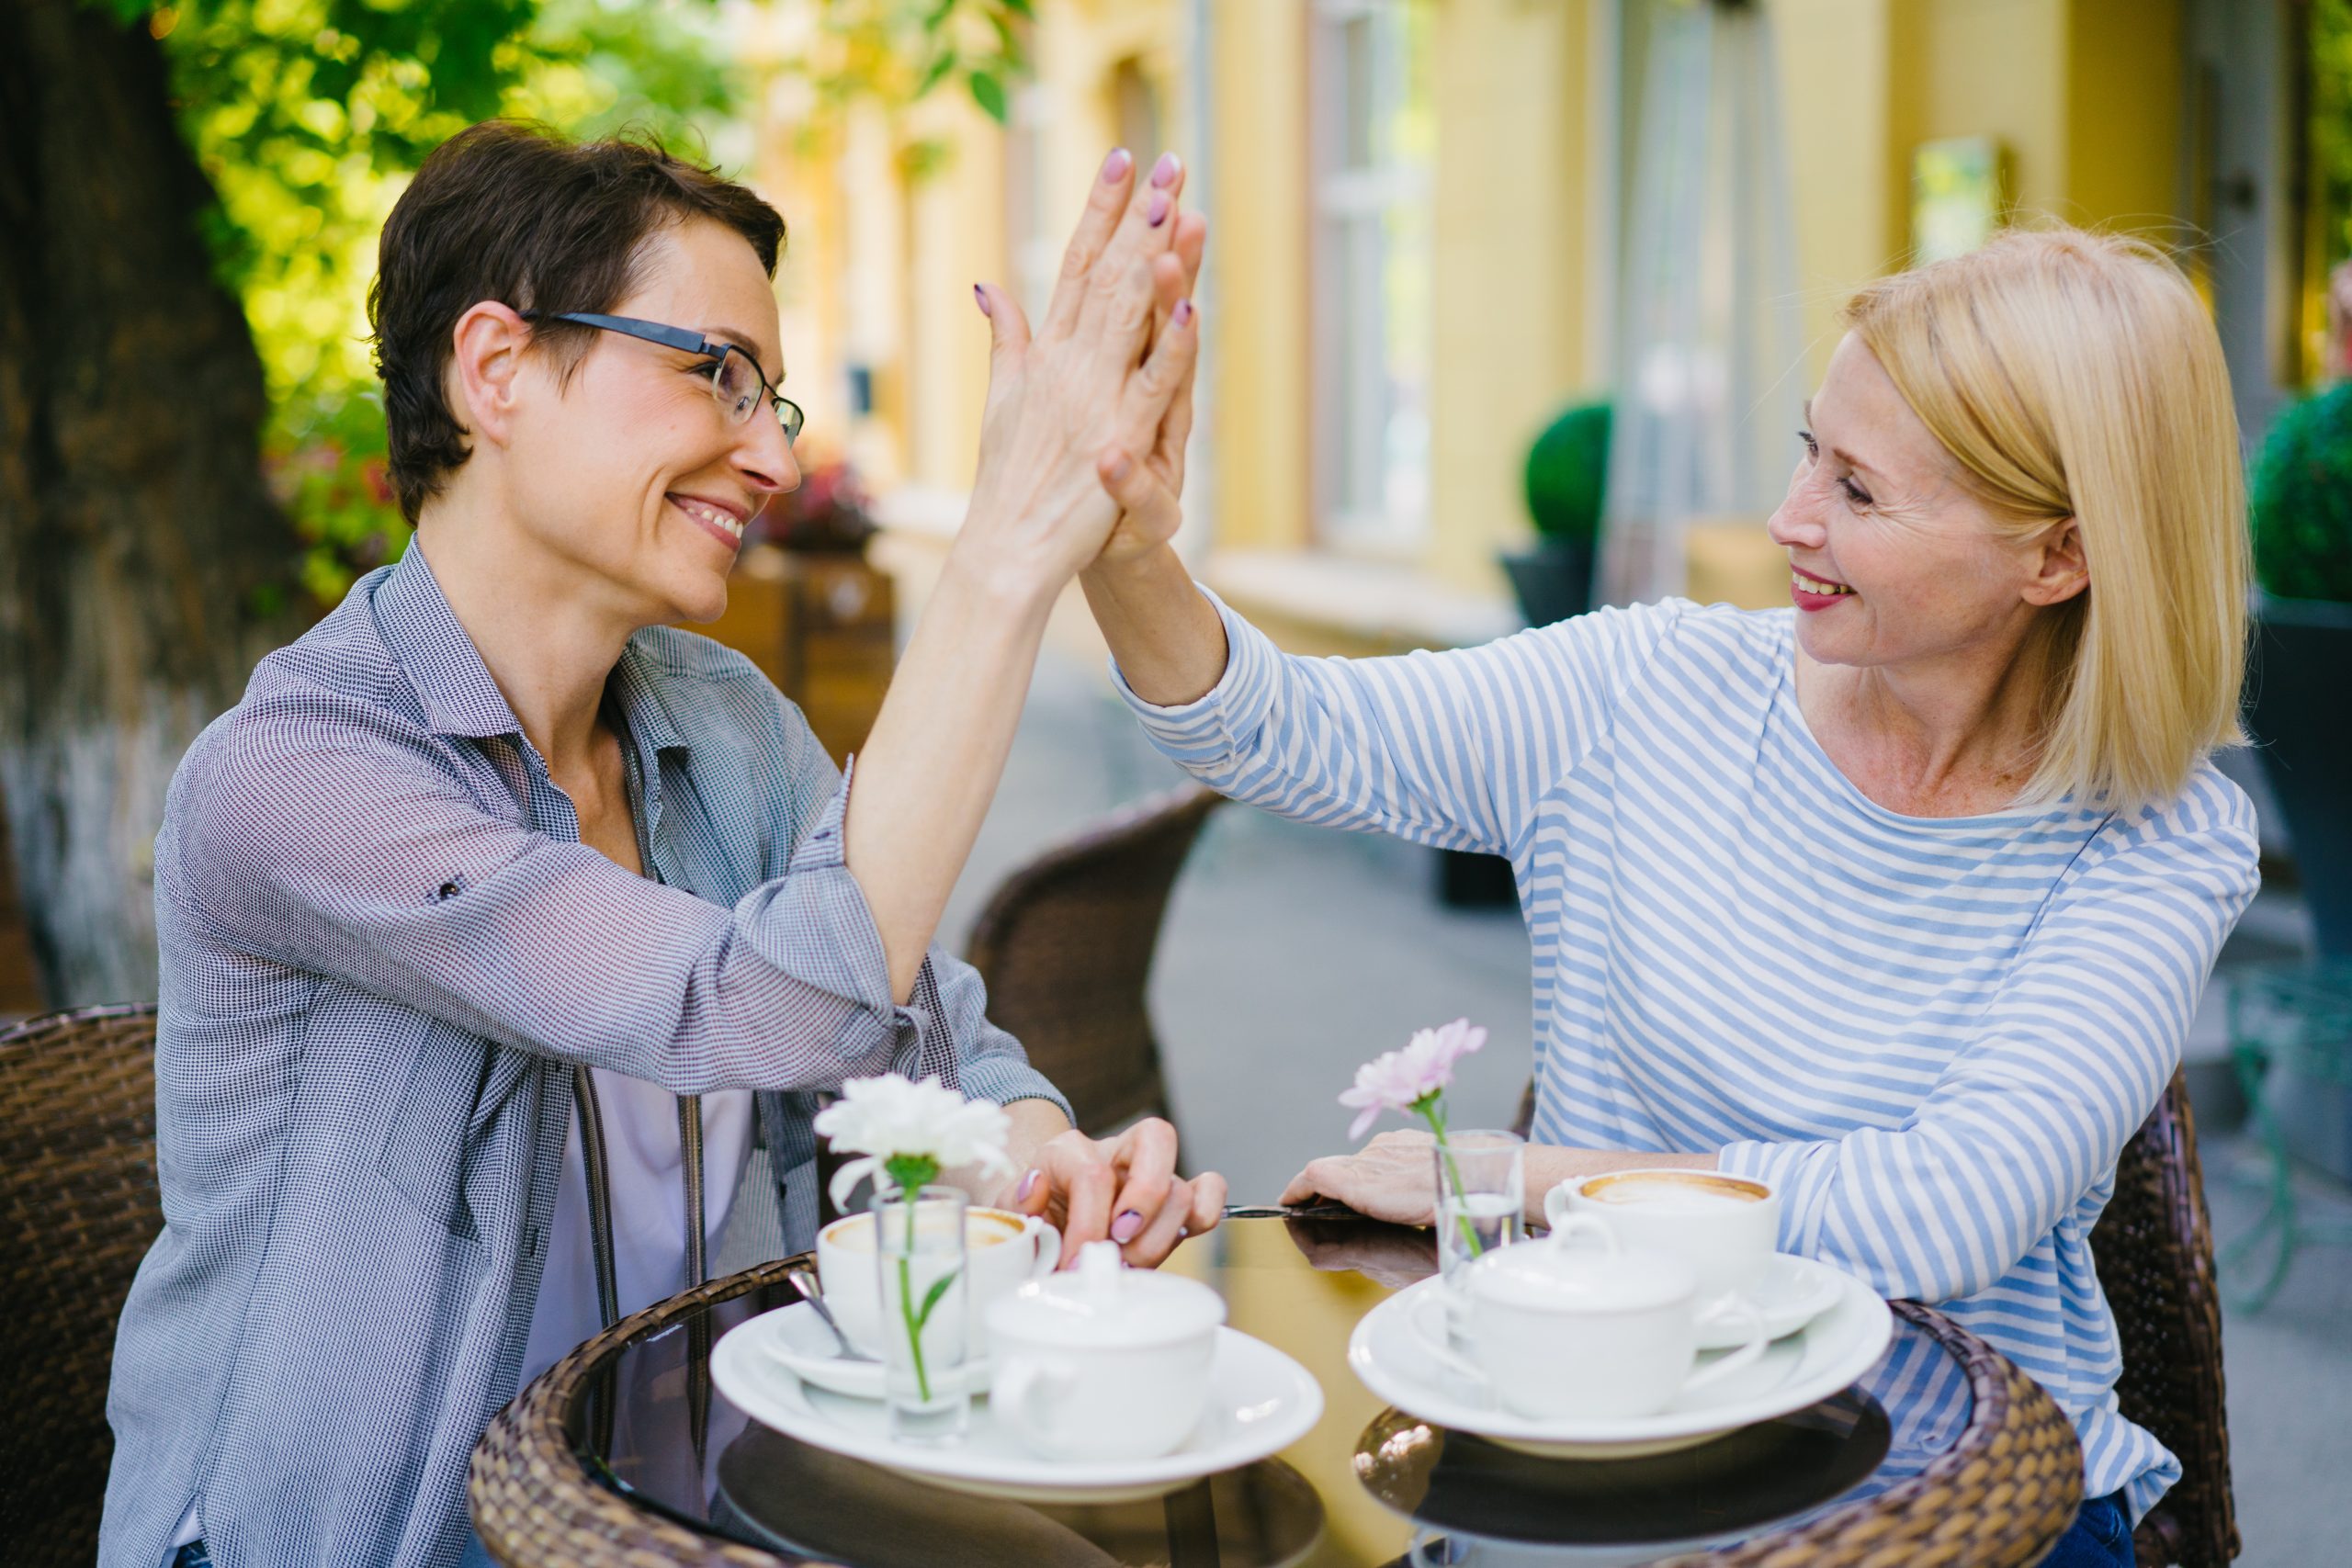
(1373, 144)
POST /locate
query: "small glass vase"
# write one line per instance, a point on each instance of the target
(1481, 1199)
(921, 1255)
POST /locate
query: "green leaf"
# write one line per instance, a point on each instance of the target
(989, 93)
(939, 68)
(930, 1297)
(1021, 9)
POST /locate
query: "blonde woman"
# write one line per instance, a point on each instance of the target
(1902, 897)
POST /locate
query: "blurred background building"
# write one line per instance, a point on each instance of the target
(1436, 222)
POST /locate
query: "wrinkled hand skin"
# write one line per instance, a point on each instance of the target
(1389, 1178)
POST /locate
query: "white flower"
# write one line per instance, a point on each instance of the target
(890, 1118)
(1401, 1079)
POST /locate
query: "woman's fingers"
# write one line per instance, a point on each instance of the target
(1144, 402)
(1008, 338)
(1149, 513)
(1158, 1239)
(1117, 298)
(1208, 1203)
(1146, 1156)
(1104, 203)
(1088, 1186)
(1310, 1183)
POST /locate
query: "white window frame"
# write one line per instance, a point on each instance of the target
(1364, 503)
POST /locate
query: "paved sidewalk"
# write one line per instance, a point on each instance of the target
(1292, 954)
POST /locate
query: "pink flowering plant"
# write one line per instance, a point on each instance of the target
(1413, 1081)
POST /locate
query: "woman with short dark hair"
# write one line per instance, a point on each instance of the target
(501, 918)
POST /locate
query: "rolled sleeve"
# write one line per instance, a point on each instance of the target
(314, 830)
(1201, 734)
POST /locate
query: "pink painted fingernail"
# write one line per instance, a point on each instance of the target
(1028, 1185)
(1127, 1227)
(981, 294)
(1158, 208)
(1163, 174)
(1115, 167)
(1183, 313)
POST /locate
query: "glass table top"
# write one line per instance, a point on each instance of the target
(1367, 1486)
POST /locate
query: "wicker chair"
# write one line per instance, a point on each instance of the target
(2154, 1251)
(80, 1207)
(1066, 945)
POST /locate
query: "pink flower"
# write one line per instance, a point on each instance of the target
(1400, 1081)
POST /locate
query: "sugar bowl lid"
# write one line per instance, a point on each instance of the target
(1102, 1302)
(1564, 1274)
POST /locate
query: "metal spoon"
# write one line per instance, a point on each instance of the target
(804, 1279)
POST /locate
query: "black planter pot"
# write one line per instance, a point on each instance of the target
(1554, 581)
(2301, 719)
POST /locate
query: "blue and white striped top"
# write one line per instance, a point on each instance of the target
(1935, 1035)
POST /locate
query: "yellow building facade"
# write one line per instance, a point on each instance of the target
(1426, 199)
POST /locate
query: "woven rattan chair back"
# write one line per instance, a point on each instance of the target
(80, 1208)
(1066, 945)
(2155, 1250)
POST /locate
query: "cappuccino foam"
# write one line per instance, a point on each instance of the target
(855, 1234)
(1691, 1193)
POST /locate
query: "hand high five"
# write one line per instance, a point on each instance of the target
(1101, 372)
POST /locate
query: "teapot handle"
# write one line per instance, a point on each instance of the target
(1024, 1390)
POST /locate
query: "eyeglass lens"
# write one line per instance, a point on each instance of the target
(740, 391)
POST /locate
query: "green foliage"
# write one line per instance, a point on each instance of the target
(2302, 501)
(1568, 469)
(309, 116)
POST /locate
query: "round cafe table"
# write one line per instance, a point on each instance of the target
(624, 1454)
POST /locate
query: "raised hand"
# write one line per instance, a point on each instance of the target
(1095, 375)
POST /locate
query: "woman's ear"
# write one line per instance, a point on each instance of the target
(2061, 570)
(485, 369)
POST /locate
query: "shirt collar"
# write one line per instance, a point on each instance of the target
(459, 697)
(439, 659)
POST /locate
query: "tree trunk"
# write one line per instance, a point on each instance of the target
(134, 524)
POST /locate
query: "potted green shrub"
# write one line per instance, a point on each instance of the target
(2302, 497)
(1568, 469)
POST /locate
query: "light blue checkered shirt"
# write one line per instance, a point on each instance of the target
(383, 947)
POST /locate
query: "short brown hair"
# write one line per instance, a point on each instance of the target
(512, 213)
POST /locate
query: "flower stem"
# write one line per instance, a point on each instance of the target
(1433, 1112)
(907, 1307)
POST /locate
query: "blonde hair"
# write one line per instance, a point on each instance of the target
(2076, 375)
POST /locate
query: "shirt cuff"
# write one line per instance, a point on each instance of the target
(1004, 1080)
(1782, 1167)
(1217, 722)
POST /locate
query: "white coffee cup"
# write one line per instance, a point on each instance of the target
(1727, 1227)
(1003, 1251)
(1559, 1331)
(1104, 1362)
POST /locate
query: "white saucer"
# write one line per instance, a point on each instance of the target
(1790, 1293)
(798, 1339)
(1259, 1403)
(1819, 1359)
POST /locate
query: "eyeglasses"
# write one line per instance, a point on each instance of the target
(737, 383)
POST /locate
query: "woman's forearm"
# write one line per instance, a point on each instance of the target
(926, 774)
(1167, 639)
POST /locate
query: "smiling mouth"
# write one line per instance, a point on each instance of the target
(1814, 585)
(717, 518)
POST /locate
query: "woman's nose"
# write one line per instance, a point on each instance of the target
(770, 463)
(1796, 523)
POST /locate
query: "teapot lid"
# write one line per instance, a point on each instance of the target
(1556, 1275)
(1102, 1303)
